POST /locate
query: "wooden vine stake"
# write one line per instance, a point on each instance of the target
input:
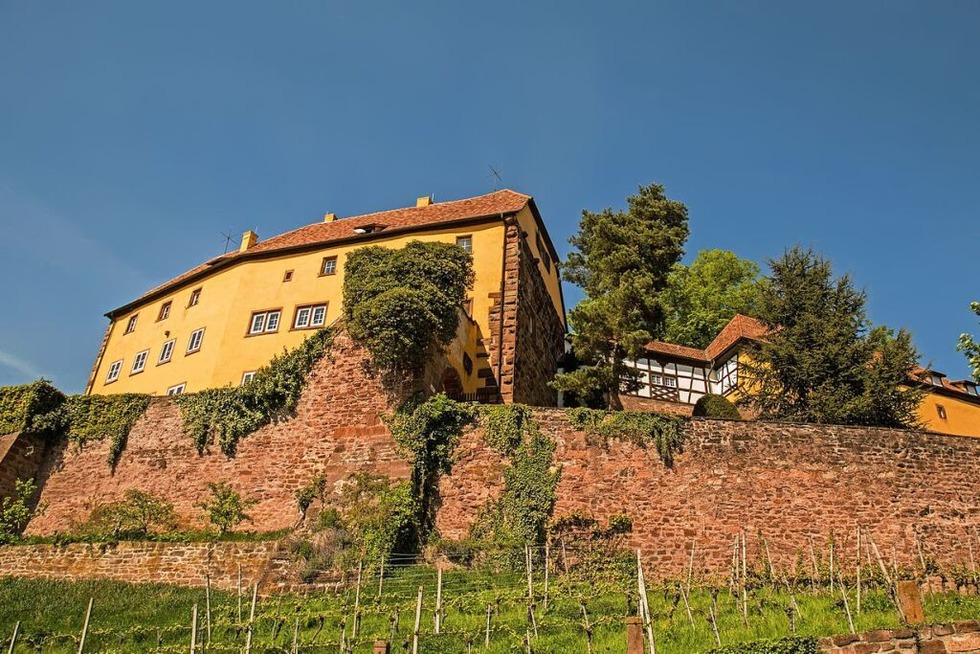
(438, 615)
(296, 636)
(418, 622)
(847, 608)
(813, 562)
(88, 615)
(194, 629)
(251, 620)
(690, 565)
(588, 628)
(486, 638)
(831, 562)
(687, 605)
(858, 570)
(547, 564)
(207, 605)
(381, 578)
(357, 600)
(644, 603)
(239, 594)
(714, 625)
(745, 576)
(13, 639)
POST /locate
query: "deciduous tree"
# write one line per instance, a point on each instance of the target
(970, 347)
(621, 260)
(701, 298)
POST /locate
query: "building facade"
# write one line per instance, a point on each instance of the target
(215, 325)
(674, 377)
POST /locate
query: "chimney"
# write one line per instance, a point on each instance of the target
(329, 217)
(423, 201)
(249, 239)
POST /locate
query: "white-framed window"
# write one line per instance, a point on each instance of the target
(971, 389)
(176, 390)
(264, 322)
(670, 382)
(313, 315)
(167, 351)
(656, 380)
(465, 242)
(114, 369)
(195, 297)
(329, 266)
(247, 377)
(194, 343)
(165, 310)
(131, 325)
(139, 362)
(937, 380)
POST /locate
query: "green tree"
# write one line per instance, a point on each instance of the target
(701, 298)
(403, 305)
(621, 260)
(970, 347)
(821, 361)
(226, 508)
(16, 511)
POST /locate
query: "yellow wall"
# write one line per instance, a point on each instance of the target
(962, 416)
(229, 297)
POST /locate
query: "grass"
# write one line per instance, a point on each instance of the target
(132, 617)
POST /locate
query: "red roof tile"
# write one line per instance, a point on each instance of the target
(670, 349)
(737, 328)
(342, 229)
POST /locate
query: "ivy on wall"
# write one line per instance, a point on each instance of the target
(792, 645)
(403, 304)
(641, 428)
(226, 415)
(520, 514)
(26, 407)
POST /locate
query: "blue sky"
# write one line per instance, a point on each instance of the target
(133, 134)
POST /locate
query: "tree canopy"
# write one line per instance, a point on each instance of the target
(403, 304)
(701, 298)
(621, 260)
(822, 362)
(970, 347)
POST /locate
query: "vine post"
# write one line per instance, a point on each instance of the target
(438, 615)
(88, 615)
(207, 604)
(547, 564)
(194, 629)
(858, 570)
(644, 603)
(13, 639)
(251, 620)
(418, 622)
(486, 639)
(357, 599)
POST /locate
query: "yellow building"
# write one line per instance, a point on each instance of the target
(214, 325)
(673, 377)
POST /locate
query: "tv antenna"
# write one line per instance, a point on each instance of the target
(495, 173)
(228, 239)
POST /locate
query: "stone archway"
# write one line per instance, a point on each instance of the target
(451, 384)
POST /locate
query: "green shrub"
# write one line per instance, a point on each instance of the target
(638, 427)
(503, 426)
(403, 305)
(781, 646)
(29, 408)
(716, 406)
(226, 508)
(311, 492)
(16, 511)
(379, 516)
(226, 415)
(137, 515)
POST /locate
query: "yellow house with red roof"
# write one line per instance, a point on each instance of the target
(215, 325)
(673, 378)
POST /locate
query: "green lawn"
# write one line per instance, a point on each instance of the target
(133, 618)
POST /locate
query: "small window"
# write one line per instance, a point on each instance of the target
(139, 362)
(937, 380)
(167, 351)
(467, 364)
(971, 389)
(195, 297)
(247, 377)
(114, 371)
(194, 343)
(656, 380)
(131, 325)
(465, 242)
(264, 322)
(287, 276)
(176, 390)
(670, 382)
(314, 315)
(941, 410)
(329, 266)
(164, 311)
(542, 251)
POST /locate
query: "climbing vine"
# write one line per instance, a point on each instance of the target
(27, 407)
(95, 417)
(429, 431)
(226, 415)
(640, 428)
(520, 514)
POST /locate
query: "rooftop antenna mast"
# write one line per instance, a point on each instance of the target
(228, 239)
(495, 173)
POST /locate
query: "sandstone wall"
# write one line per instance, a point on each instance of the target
(786, 483)
(936, 639)
(21, 456)
(183, 564)
(336, 431)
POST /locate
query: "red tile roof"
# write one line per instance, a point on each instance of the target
(671, 350)
(342, 229)
(737, 328)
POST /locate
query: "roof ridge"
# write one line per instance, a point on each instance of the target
(434, 204)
